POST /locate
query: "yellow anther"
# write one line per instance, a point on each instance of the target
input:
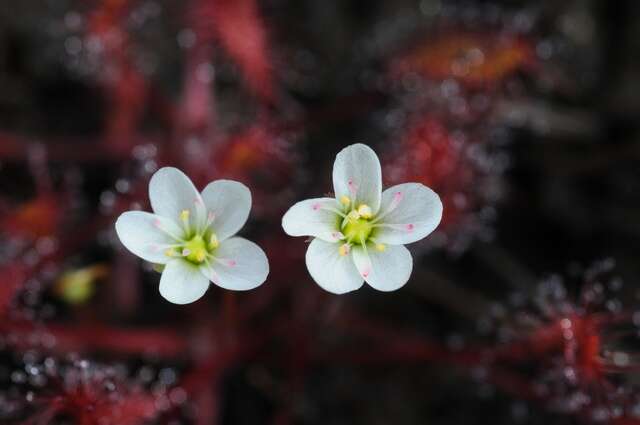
(184, 215)
(169, 252)
(200, 254)
(213, 241)
(344, 200)
(343, 250)
(380, 247)
(365, 211)
(353, 215)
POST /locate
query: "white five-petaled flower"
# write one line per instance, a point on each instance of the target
(360, 235)
(192, 235)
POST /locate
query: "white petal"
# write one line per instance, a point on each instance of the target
(230, 203)
(140, 232)
(182, 282)
(385, 271)
(417, 212)
(333, 272)
(171, 192)
(240, 265)
(357, 169)
(311, 218)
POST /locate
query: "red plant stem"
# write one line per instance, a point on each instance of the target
(17, 148)
(94, 337)
(513, 383)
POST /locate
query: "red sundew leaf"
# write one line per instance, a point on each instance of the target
(91, 397)
(240, 30)
(429, 155)
(245, 151)
(197, 112)
(475, 59)
(542, 341)
(127, 95)
(124, 86)
(107, 15)
(259, 158)
(584, 347)
(133, 409)
(34, 219)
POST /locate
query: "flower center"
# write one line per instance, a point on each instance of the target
(357, 227)
(200, 245)
(195, 250)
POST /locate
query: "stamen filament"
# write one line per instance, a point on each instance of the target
(184, 217)
(158, 225)
(406, 227)
(333, 210)
(397, 198)
(210, 268)
(210, 217)
(224, 261)
(160, 246)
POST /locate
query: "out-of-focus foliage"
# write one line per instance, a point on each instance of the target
(521, 115)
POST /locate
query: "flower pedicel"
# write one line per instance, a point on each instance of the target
(360, 235)
(192, 235)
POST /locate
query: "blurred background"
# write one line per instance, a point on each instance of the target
(522, 115)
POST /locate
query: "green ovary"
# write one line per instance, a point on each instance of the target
(357, 230)
(196, 248)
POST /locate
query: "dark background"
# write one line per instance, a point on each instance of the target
(522, 115)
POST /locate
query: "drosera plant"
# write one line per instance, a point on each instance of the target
(190, 236)
(465, 169)
(81, 391)
(360, 234)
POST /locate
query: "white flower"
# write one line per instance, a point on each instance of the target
(192, 235)
(360, 234)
